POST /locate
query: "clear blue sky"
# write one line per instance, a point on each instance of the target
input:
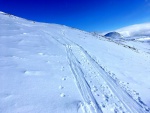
(89, 15)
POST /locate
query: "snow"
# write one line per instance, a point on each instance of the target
(144, 39)
(46, 68)
(139, 44)
(135, 30)
(113, 35)
(135, 36)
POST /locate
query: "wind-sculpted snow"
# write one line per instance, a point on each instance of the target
(49, 68)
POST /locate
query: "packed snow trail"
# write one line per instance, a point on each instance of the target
(100, 92)
(129, 104)
(119, 97)
(90, 105)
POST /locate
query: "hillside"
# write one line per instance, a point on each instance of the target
(134, 36)
(50, 68)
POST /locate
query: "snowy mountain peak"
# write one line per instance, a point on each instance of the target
(113, 35)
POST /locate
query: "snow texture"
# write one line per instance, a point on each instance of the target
(50, 68)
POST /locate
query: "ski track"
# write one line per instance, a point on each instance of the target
(100, 92)
(90, 105)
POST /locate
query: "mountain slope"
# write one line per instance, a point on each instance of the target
(48, 68)
(135, 36)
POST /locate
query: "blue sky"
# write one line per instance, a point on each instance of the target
(88, 15)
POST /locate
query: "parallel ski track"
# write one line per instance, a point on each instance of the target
(129, 103)
(90, 104)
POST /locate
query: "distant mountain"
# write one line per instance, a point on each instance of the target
(113, 35)
(136, 36)
(135, 30)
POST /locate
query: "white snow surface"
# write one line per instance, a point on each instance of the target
(50, 68)
(135, 30)
(144, 39)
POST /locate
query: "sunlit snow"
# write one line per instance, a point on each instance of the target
(50, 68)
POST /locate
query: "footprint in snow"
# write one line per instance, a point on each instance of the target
(94, 89)
(63, 79)
(62, 95)
(90, 81)
(106, 98)
(62, 68)
(61, 87)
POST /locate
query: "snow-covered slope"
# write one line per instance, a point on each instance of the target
(49, 68)
(135, 36)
